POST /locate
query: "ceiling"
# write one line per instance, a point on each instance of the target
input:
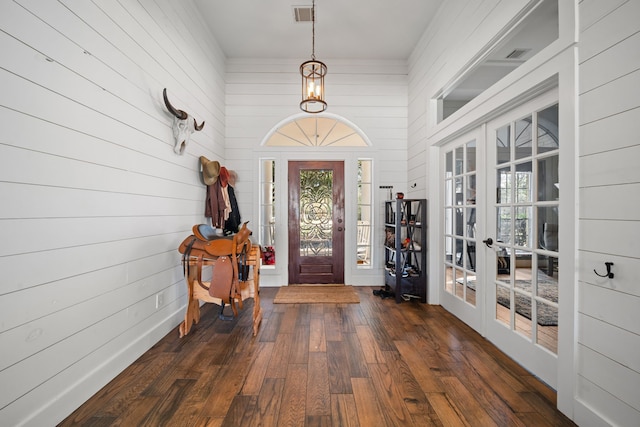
(367, 30)
(354, 29)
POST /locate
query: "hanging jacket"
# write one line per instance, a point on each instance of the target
(232, 224)
(215, 205)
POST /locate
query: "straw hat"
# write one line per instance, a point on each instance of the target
(210, 170)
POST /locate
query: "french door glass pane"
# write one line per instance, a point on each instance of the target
(548, 186)
(504, 185)
(548, 129)
(449, 164)
(524, 184)
(459, 160)
(548, 227)
(523, 146)
(471, 156)
(503, 144)
(503, 224)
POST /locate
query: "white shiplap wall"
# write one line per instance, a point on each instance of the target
(608, 377)
(372, 95)
(94, 202)
(460, 30)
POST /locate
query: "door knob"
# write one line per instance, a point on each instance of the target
(488, 242)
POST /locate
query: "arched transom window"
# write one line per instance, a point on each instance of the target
(316, 131)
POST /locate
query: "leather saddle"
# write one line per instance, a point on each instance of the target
(227, 254)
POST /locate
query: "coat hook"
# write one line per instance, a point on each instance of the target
(414, 185)
(609, 273)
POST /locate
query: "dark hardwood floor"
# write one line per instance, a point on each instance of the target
(376, 363)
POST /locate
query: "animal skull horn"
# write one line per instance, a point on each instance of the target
(183, 125)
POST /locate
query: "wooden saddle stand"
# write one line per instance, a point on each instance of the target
(231, 258)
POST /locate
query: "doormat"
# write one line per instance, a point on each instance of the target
(547, 315)
(316, 294)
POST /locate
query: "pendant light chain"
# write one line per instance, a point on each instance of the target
(313, 72)
(313, 30)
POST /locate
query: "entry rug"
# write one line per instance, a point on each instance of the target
(316, 294)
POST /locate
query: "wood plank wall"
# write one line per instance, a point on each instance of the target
(94, 200)
(609, 320)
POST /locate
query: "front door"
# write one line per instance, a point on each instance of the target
(316, 222)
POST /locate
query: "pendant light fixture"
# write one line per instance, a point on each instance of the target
(313, 73)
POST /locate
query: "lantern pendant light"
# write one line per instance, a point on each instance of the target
(313, 73)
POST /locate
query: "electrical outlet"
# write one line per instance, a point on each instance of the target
(159, 300)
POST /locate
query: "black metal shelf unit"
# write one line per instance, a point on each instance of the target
(406, 249)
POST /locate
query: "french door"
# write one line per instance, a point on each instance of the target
(316, 222)
(462, 207)
(521, 236)
(500, 195)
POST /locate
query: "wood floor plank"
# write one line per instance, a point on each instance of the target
(389, 396)
(344, 312)
(355, 356)
(343, 410)
(270, 327)
(499, 386)
(339, 377)
(448, 413)
(467, 402)
(370, 349)
(412, 394)
(300, 345)
(420, 367)
(190, 409)
(258, 369)
(279, 362)
(121, 391)
(135, 412)
(318, 421)
(227, 384)
(370, 411)
(381, 335)
(376, 363)
(318, 393)
(293, 405)
(241, 409)
(490, 398)
(169, 403)
(269, 402)
(317, 336)
(332, 324)
(289, 320)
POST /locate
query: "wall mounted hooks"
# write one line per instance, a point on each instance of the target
(414, 185)
(609, 273)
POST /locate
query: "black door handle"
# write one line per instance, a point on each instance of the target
(488, 242)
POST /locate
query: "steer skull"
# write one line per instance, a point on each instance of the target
(183, 125)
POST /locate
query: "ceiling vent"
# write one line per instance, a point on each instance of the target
(517, 53)
(303, 13)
